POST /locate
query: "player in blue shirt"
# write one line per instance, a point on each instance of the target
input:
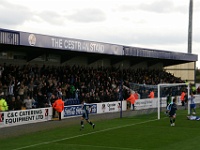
(193, 117)
(85, 114)
(172, 107)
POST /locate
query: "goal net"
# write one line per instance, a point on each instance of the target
(174, 90)
(158, 104)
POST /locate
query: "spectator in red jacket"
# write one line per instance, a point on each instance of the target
(58, 106)
(132, 100)
(151, 95)
(183, 98)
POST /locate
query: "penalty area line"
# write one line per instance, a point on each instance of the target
(107, 147)
(77, 136)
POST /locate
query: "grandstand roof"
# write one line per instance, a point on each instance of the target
(35, 45)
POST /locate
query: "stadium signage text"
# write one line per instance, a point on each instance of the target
(21, 116)
(76, 110)
(38, 40)
(77, 45)
(111, 107)
(13, 118)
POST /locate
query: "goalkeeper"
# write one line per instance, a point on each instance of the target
(172, 107)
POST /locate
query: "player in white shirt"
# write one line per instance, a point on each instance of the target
(192, 104)
(193, 117)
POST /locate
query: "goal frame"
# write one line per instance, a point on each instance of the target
(171, 84)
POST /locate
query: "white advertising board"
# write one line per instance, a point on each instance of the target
(13, 118)
(111, 107)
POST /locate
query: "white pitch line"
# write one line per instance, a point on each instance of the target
(53, 141)
(107, 147)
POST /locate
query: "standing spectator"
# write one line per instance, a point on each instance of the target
(58, 106)
(12, 103)
(59, 92)
(5, 90)
(198, 90)
(18, 103)
(11, 89)
(193, 88)
(3, 103)
(1, 70)
(72, 91)
(136, 95)
(97, 98)
(29, 102)
(31, 88)
(77, 94)
(21, 91)
(82, 97)
(151, 95)
(63, 90)
(101, 96)
(40, 100)
(186, 100)
(182, 98)
(132, 100)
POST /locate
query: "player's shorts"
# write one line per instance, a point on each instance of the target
(192, 105)
(172, 115)
(85, 115)
(197, 118)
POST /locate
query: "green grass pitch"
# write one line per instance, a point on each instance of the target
(142, 132)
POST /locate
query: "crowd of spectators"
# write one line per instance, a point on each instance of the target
(102, 84)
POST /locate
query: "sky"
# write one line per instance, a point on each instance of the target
(154, 24)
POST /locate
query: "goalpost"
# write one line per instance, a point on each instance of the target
(168, 86)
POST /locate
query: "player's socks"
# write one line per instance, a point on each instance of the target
(171, 121)
(82, 125)
(93, 126)
(90, 123)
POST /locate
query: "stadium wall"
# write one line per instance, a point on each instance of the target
(184, 71)
(20, 117)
